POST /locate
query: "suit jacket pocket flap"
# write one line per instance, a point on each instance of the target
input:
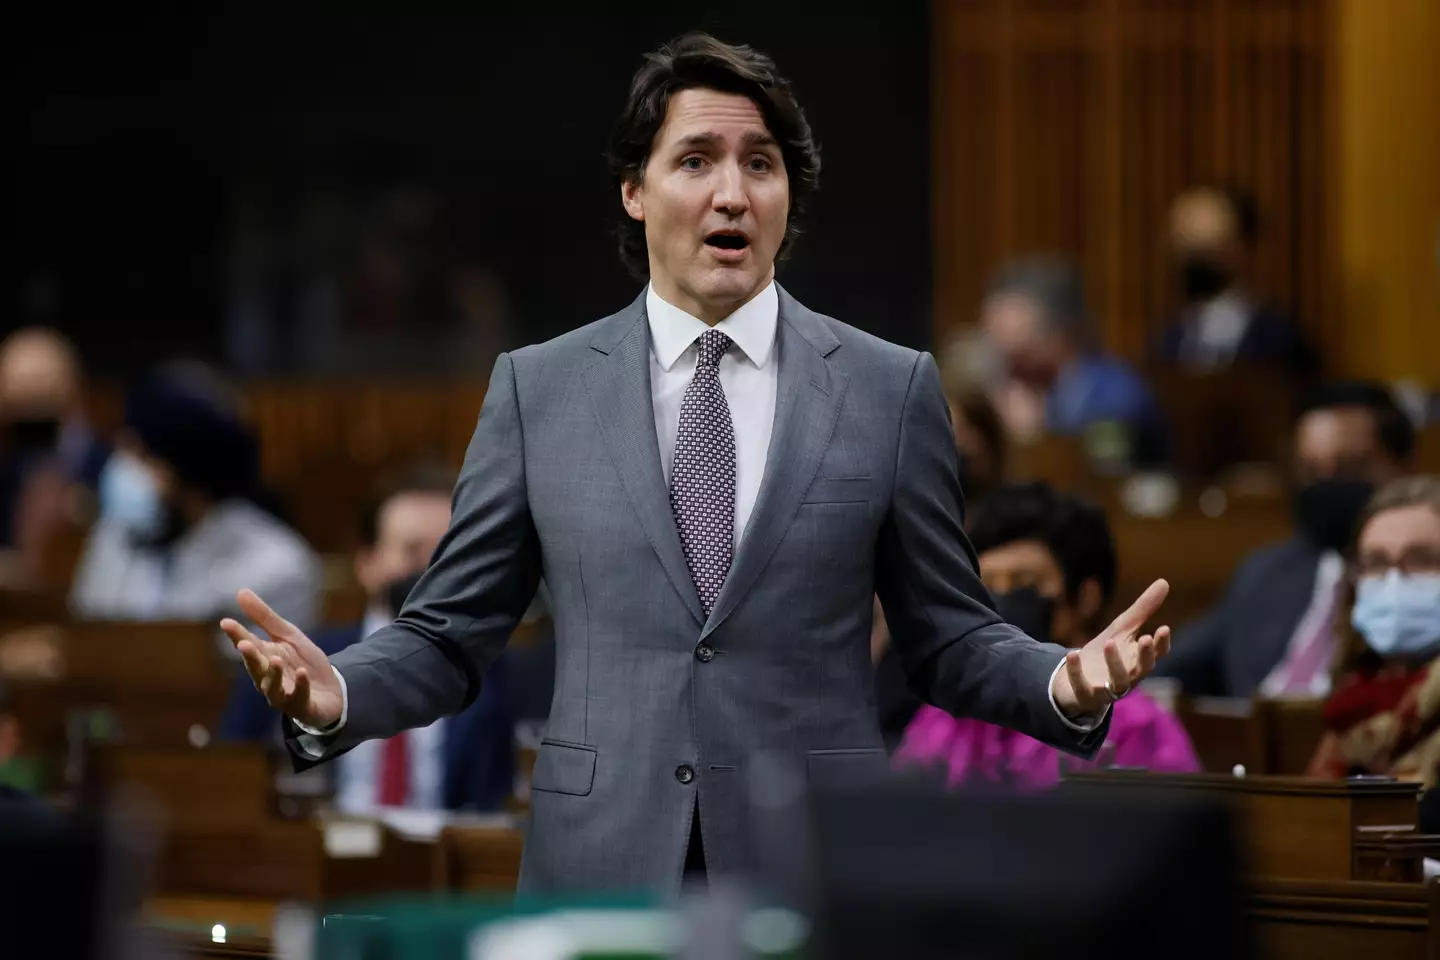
(564, 768)
(839, 490)
(839, 767)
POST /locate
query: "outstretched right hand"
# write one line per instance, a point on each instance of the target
(293, 674)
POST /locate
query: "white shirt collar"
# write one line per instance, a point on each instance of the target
(751, 328)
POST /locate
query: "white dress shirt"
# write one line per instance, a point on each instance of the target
(749, 376)
(357, 788)
(1220, 325)
(1329, 572)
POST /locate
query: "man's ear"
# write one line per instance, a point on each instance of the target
(1088, 602)
(632, 199)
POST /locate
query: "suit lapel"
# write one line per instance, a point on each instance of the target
(807, 403)
(620, 389)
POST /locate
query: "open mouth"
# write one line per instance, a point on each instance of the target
(727, 240)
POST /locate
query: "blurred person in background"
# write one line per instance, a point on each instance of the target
(46, 447)
(1048, 561)
(1273, 631)
(1384, 714)
(1213, 231)
(178, 531)
(1057, 380)
(969, 373)
(465, 761)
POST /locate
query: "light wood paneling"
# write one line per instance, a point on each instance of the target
(1387, 136)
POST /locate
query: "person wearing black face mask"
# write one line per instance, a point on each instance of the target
(1273, 633)
(43, 434)
(1213, 230)
(1049, 563)
(461, 762)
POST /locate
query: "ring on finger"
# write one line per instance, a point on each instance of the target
(1110, 692)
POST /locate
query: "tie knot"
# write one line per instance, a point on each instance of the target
(712, 346)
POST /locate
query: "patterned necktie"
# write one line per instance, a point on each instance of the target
(702, 476)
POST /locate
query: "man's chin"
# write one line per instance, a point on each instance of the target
(732, 283)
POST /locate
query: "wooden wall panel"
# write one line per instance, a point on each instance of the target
(1387, 185)
(1069, 127)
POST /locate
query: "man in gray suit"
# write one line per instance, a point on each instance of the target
(712, 482)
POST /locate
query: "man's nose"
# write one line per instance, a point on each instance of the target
(730, 197)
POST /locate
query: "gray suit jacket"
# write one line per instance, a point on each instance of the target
(657, 708)
(1232, 649)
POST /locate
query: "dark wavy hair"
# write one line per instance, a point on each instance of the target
(698, 60)
(1075, 532)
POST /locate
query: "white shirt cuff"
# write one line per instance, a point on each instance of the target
(312, 741)
(1083, 725)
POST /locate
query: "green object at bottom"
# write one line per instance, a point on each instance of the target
(440, 928)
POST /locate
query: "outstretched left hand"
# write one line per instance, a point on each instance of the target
(1110, 666)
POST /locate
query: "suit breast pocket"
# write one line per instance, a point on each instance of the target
(840, 490)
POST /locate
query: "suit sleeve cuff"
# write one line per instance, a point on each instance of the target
(1084, 724)
(312, 741)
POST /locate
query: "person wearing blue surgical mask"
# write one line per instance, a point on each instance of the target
(179, 530)
(1384, 714)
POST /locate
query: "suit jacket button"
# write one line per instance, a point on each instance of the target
(704, 653)
(684, 773)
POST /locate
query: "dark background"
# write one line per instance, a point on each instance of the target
(151, 143)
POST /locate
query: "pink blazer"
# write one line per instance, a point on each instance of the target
(971, 751)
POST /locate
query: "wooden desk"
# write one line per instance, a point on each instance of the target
(282, 860)
(155, 683)
(188, 921)
(479, 859)
(1292, 827)
(1320, 920)
(1273, 737)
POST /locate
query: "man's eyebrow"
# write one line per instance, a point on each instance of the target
(753, 138)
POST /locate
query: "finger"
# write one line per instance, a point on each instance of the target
(1083, 689)
(272, 685)
(1144, 659)
(1144, 607)
(238, 634)
(300, 692)
(1119, 674)
(254, 660)
(1162, 642)
(268, 620)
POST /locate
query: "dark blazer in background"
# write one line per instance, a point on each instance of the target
(1230, 651)
(1273, 339)
(479, 740)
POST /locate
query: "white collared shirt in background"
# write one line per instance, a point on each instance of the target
(357, 778)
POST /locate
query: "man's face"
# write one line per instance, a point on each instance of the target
(1205, 243)
(714, 200)
(1341, 442)
(409, 529)
(1015, 327)
(1202, 223)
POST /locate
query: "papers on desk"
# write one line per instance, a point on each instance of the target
(351, 836)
